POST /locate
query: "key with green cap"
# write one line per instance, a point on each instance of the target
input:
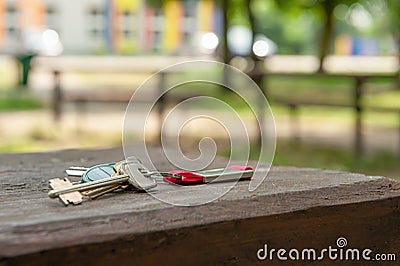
(88, 174)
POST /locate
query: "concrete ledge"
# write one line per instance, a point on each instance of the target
(293, 208)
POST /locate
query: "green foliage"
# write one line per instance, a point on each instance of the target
(297, 26)
(236, 13)
(291, 28)
(393, 6)
(155, 3)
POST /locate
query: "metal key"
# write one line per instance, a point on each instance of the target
(102, 171)
(93, 194)
(89, 186)
(73, 197)
(76, 171)
(130, 172)
(94, 173)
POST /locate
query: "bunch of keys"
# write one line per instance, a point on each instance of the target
(131, 173)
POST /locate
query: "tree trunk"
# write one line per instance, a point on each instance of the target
(252, 28)
(398, 47)
(226, 54)
(327, 33)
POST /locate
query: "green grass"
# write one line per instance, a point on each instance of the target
(319, 156)
(378, 93)
(387, 99)
(294, 153)
(338, 115)
(23, 146)
(332, 89)
(43, 138)
(18, 100)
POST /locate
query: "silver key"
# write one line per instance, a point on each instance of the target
(130, 171)
(76, 171)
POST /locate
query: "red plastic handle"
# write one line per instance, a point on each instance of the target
(186, 178)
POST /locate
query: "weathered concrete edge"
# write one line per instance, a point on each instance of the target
(102, 229)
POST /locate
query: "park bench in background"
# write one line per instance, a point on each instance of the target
(359, 69)
(99, 65)
(117, 65)
(358, 92)
(149, 65)
(293, 208)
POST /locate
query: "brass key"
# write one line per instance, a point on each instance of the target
(93, 194)
(73, 197)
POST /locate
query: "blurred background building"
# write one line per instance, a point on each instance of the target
(194, 26)
(111, 26)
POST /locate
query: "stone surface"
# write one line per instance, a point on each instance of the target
(294, 207)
